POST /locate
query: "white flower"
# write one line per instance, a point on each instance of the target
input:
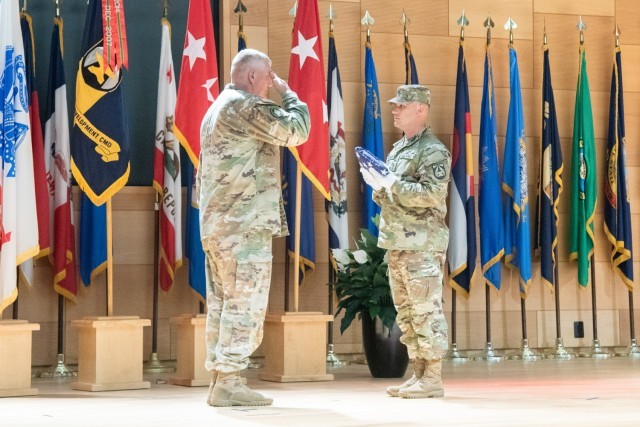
(360, 256)
(341, 256)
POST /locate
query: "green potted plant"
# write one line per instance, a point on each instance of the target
(362, 288)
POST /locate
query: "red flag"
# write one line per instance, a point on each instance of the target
(198, 77)
(306, 78)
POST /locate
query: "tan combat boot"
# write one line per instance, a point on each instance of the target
(214, 376)
(418, 371)
(230, 391)
(429, 385)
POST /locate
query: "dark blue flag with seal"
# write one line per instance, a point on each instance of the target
(617, 211)
(99, 144)
(99, 138)
(549, 181)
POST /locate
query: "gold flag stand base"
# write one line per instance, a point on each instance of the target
(15, 358)
(191, 351)
(110, 353)
(295, 347)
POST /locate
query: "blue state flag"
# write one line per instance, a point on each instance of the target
(517, 241)
(549, 181)
(307, 228)
(371, 135)
(617, 210)
(462, 212)
(192, 244)
(411, 71)
(489, 193)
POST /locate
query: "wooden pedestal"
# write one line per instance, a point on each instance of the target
(110, 353)
(295, 346)
(191, 351)
(15, 358)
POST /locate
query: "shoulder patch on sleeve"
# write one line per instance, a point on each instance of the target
(439, 170)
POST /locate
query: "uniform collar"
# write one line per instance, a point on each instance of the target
(408, 142)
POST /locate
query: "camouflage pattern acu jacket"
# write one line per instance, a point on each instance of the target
(239, 177)
(413, 212)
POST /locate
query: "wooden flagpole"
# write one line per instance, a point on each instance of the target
(109, 260)
(296, 259)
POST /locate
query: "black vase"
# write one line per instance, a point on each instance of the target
(386, 355)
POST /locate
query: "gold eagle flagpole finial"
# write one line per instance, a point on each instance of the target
(544, 33)
(581, 27)
(617, 33)
(510, 25)
(240, 10)
(463, 22)
(331, 15)
(489, 24)
(368, 21)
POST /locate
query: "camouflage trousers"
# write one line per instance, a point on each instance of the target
(416, 285)
(238, 269)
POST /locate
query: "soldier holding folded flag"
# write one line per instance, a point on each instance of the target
(412, 200)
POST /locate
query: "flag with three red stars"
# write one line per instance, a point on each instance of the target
(306, 78)
(198, 77)
(197, 90)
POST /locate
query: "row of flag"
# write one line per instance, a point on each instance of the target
(503, 202)
(99, 142)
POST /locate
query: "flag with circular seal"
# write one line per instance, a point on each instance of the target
(99, 138)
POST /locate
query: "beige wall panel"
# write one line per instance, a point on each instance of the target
(257, 38)
(630, 66)
(475, 49)
(256, 14)
(624, 322)
(353, 95)
(608, 328)
(346, 29)
(131, 238)
(575, 7)
(628, 20)
(476, 12)
(435, 57)
(563, 41)
(431, 20)
(280, 28)
(632, 124)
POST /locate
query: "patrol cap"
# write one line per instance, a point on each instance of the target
(412, 93)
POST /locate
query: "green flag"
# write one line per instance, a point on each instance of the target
(583, 178)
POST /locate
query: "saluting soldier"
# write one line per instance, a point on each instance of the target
(413, 206)
(241, 209)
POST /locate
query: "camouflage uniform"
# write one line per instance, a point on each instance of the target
(413, 229)
(240, 211)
